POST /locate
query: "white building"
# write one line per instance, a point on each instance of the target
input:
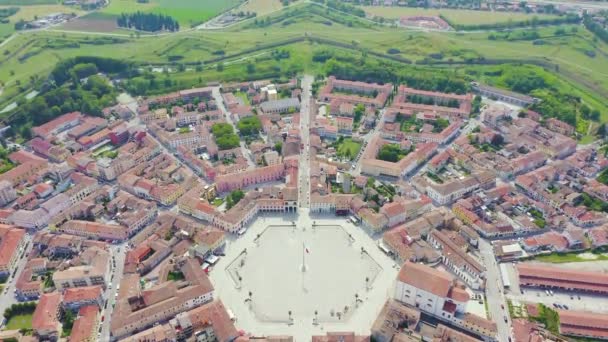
(430, 290)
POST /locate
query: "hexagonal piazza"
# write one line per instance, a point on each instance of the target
(336, 274)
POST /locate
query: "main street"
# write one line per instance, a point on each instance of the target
(497, 304)
(304, 167)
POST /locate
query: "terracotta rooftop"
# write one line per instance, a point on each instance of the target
(426, 278)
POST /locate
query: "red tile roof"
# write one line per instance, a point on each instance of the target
(534, 274)
(426, 278)
(81, 294)
(45, 315)
(10, 238)
(583, 323)
(85, 325)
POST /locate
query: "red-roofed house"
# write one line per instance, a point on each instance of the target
(58, 125)
(11, 240)
(45, 321)
(86, 324)
(76, 297)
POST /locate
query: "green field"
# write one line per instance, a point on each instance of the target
(28, 2)
(31, 12)
(261, 7)
(187, 12)
(469, 17)
(575, 62)
(19, 322)
(349, 148)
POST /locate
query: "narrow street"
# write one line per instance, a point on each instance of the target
(7, 298)
(497, 304)
(118, 253)
(305, 114)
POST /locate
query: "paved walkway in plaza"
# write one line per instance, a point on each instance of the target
(302, 328)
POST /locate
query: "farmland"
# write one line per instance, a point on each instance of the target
(455, 15)
(261, 7)
(31, 12)
(187, 12)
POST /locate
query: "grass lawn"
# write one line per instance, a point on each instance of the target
(468, 17)
(217, 202)
(349, 148)
(187, 12)
(19, 322)
(28, 2)
(243, 97)
(559, 258)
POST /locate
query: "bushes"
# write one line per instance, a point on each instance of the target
(250, 125)
(233, 198)
(19, 309)
(224, 136)
(548, 317)
(596, 28)
(534, 21)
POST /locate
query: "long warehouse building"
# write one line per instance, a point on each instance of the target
(553, 277)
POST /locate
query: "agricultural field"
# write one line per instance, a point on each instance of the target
(469, 17)
(94, 22)
(31, 12)
(28, 2)
(188, 13)
(576, 63)
(28, 13)
(261, 7)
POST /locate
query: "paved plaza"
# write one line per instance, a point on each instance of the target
(334, 275)
(267, 261)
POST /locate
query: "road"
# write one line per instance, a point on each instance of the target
(118, 253)
(304, 167)
(7, 298)
(497, 304)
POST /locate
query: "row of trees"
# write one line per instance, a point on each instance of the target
(149, 22)
(380, 71)
(65, 93)
(596, 28)
(19, 309)
(510, 24)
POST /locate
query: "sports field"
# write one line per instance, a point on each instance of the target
(468, 17)
(187, 12)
